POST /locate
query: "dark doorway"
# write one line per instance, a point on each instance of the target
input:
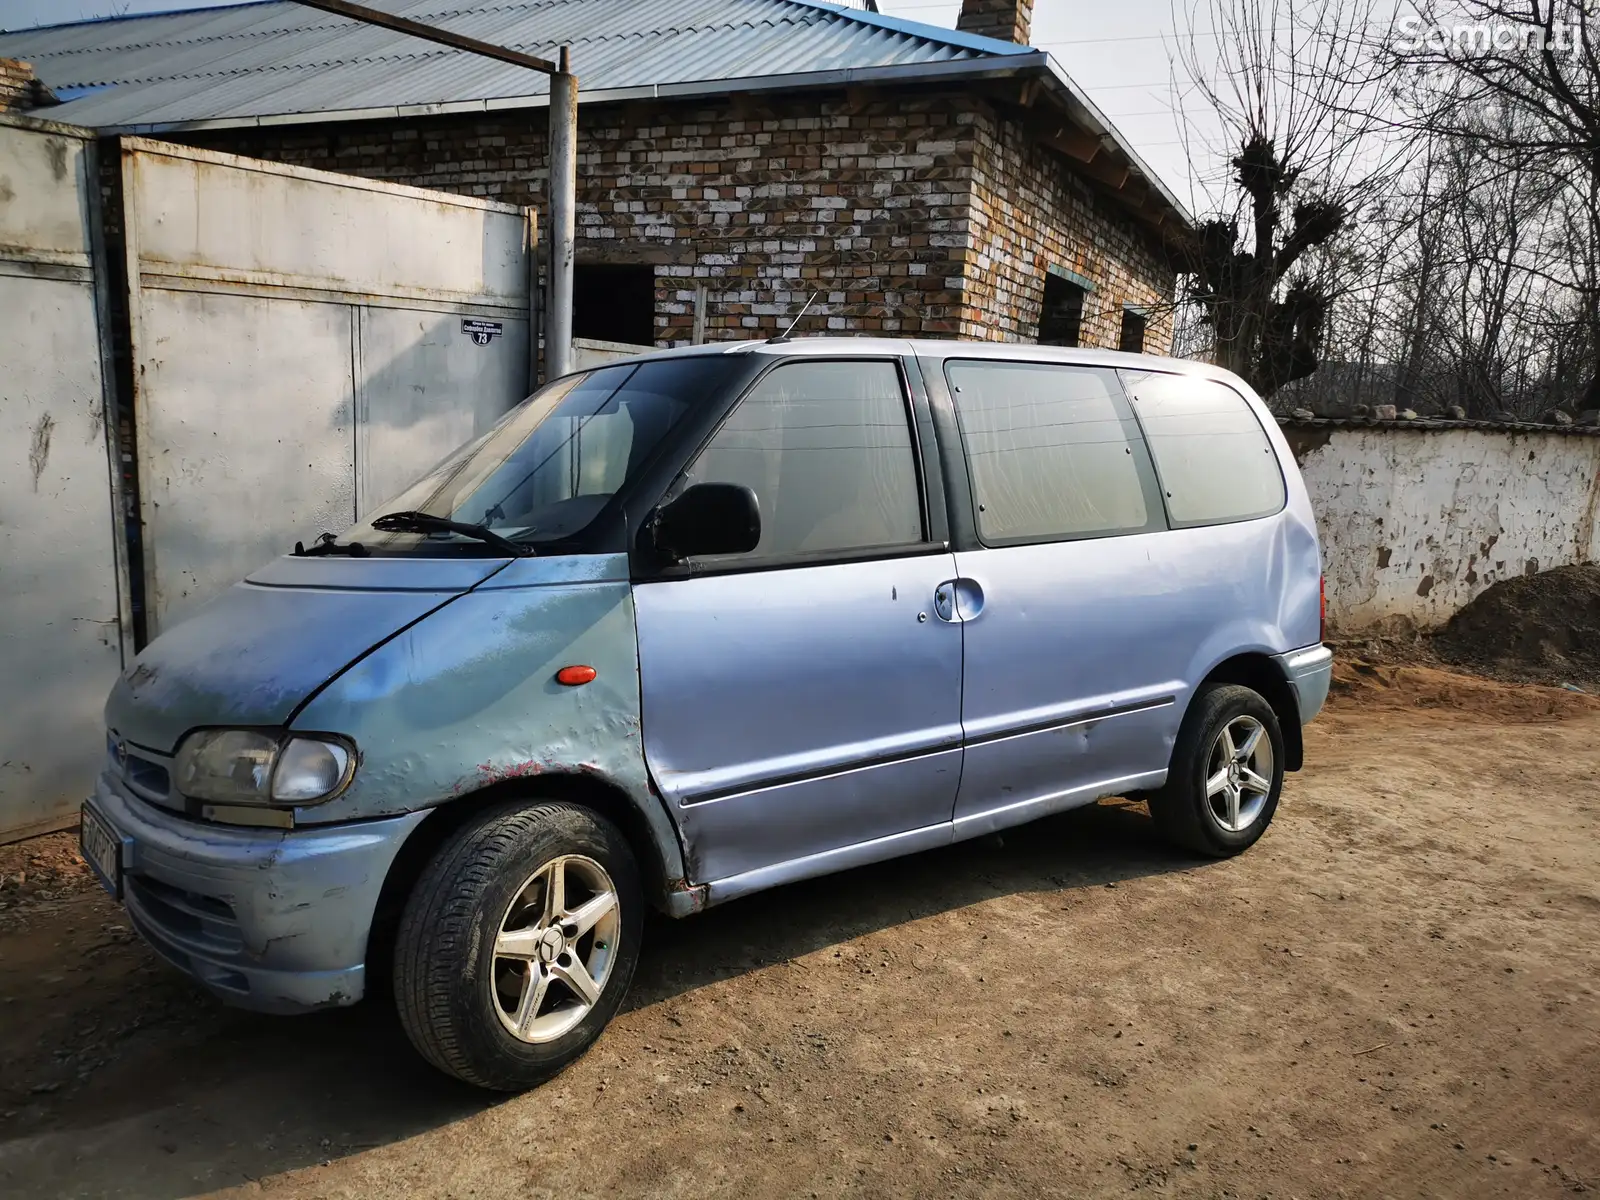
(1132, 337)
(614, 304)
(1061, 322)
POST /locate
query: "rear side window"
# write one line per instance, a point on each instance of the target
(826, 447)
(1054, 453)
(1215, 462)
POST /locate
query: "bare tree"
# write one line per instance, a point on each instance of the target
(1283, 80)
(1539, 62)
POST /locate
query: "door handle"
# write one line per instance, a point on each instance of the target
(957, 600)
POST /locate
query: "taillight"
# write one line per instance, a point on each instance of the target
(1322, 628)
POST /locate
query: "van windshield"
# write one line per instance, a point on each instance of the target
(550, 465)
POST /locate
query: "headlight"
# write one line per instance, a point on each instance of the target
(239, 766)
(308, 770)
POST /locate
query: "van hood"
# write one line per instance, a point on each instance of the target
(254, 654)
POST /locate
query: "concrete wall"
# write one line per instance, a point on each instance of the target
(1416, 522)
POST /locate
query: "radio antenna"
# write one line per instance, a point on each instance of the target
(784, 336)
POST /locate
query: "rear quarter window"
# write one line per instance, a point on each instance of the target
(1053, 452)
(1214, 460)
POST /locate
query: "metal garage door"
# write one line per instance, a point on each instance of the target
(60, 629)
(304, 344)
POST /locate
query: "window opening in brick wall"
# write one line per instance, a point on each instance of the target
(1132, 336)
(614, 303)
(1061, 321)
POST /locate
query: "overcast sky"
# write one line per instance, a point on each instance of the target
(1120, 53)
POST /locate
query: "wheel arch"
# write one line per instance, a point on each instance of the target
(667, 892)
(1262, 674)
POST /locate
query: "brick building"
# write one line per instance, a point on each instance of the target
(735, 156)
(19, 90)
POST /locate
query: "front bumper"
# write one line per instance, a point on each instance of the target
(1310, 671)
(271, 920)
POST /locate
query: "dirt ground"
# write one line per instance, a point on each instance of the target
(1393, 994)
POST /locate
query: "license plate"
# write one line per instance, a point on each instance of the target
(101, 849)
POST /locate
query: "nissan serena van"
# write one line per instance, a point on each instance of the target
(698, 623)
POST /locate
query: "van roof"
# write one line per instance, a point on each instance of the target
(945, 348)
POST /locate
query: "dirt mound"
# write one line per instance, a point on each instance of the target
(1543, 627)
(1360, 686)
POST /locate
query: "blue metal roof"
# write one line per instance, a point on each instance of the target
(253, 62)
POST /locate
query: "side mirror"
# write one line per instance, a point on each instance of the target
(709, 518)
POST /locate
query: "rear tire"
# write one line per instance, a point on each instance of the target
(517, 944)
(1226, 773)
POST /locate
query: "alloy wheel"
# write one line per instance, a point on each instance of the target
(1239, 773)
(555, 948)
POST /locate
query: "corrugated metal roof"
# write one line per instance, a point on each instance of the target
(282, 60)
(277, 62)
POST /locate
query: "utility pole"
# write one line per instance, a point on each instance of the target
(563, 217)
(563, 185)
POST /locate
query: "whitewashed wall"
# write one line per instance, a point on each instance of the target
(1416, 522)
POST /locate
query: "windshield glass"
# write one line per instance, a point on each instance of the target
(550, 465)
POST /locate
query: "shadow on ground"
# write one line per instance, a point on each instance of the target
(142, 1086)
(1088, 847)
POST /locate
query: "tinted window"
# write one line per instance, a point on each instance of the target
(826, 448)
(1054, 452)
(1213, 457)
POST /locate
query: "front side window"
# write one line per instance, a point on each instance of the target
(551, 464)
(1215, 462)
(826, 447)
(1053, 451)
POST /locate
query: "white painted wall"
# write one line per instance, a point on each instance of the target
(1416, 522)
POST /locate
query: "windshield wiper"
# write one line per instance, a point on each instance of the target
(421, 522)
(326, 545)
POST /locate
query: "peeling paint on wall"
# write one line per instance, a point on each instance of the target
(1415, 523)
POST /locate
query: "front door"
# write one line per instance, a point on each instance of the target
(801, 703)
(1068, 609)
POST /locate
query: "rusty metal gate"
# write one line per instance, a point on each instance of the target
(223, 357)
(304, 344)
(61, 626)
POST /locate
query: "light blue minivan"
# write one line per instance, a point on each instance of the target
(699, 623)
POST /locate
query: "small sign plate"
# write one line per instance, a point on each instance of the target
(482, 332)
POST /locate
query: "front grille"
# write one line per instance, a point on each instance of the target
(202, 925)
(146, 778)
(143, 774)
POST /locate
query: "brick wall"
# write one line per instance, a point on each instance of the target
(1029, 212)
(1008, 20)
(872, 201)
(17, 88)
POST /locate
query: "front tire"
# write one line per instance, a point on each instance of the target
(1226, 773)
(517, 944)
